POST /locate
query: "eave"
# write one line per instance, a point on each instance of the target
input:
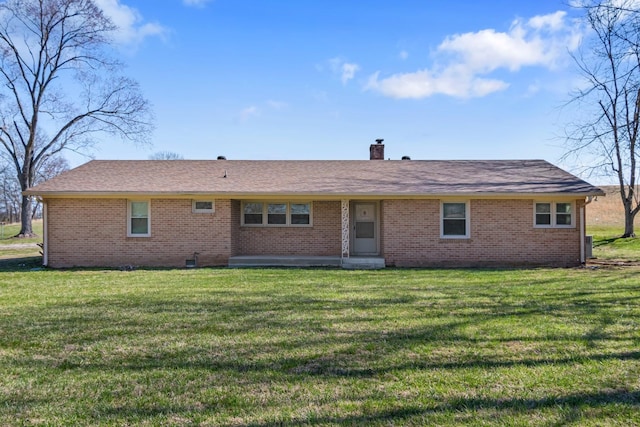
(308, 196)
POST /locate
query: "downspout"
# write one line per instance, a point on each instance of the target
(583, 233)
(45, 235)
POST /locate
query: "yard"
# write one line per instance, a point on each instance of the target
(320, 347)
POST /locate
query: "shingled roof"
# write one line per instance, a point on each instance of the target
(245, 178)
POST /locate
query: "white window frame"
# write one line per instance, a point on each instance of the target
(265, 214)
(554, 212)
(194, 209)
(467, 219)
(129, 218)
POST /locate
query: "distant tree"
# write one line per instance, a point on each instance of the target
(59, 87)
(9, 195)
(10, 192)
(610, 98)
(165, 155)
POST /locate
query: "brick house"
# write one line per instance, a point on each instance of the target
(370, 213)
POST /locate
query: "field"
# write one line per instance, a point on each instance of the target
(605, 221)
(320, 347)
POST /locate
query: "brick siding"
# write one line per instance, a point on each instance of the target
(323, 239)
(501, 234)
(93, 232)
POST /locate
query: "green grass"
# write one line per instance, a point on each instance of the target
(320, 347)
(11, 230)
(608, 245)
(15, 251)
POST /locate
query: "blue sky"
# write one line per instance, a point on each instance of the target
(307, 79)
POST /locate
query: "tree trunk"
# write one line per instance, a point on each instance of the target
(629, 217)
(26, 230)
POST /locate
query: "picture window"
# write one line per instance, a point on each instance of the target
(276, 214)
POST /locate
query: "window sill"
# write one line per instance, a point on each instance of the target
(454, 239)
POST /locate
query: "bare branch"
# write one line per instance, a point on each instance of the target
(50, 49)
(610, 66)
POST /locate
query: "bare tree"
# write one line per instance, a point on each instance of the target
(9, 195)
(165, 155)
(610, 99)
(60, 87)
(52, 166)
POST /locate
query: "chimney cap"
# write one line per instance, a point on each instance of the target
(379, 140)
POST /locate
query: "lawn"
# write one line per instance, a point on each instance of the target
(11, 230)
(607, 244)
(605, 221)
(320, 347)
(14, 250)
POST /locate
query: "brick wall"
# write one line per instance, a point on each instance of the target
(93, 232)
(323, 239)
(501, 234)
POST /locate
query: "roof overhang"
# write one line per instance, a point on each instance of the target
(306, 196)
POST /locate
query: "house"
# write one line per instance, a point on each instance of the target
(369, 213)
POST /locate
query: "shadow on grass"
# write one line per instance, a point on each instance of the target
(573, 407)
(21, 263)
(605, 242)
(303, 332)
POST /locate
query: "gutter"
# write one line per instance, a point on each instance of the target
(45, 234)
(583, 233)
(328, 195)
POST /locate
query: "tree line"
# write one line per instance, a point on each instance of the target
(11, 193)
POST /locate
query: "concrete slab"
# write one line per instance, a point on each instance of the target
(353, 263)
(363, 263)
(284, 261)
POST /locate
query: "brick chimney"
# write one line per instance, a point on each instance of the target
(376, 151)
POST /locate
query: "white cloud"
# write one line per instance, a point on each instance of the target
(349, 72)
(131, 29)
(466, 60)
(553, 21)
(403, 55)
(345, 70)
(196, 3)
(249, 112)
(424, 83)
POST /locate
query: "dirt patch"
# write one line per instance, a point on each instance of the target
(612, 263)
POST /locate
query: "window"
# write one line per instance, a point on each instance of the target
(543, 214)
(252, 214)
(277, 214)
(138, 219)
(563, 214)
(202, 206)
(300, 214)
(455, 220)
(553, 215)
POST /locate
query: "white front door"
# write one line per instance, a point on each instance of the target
(365, 228)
